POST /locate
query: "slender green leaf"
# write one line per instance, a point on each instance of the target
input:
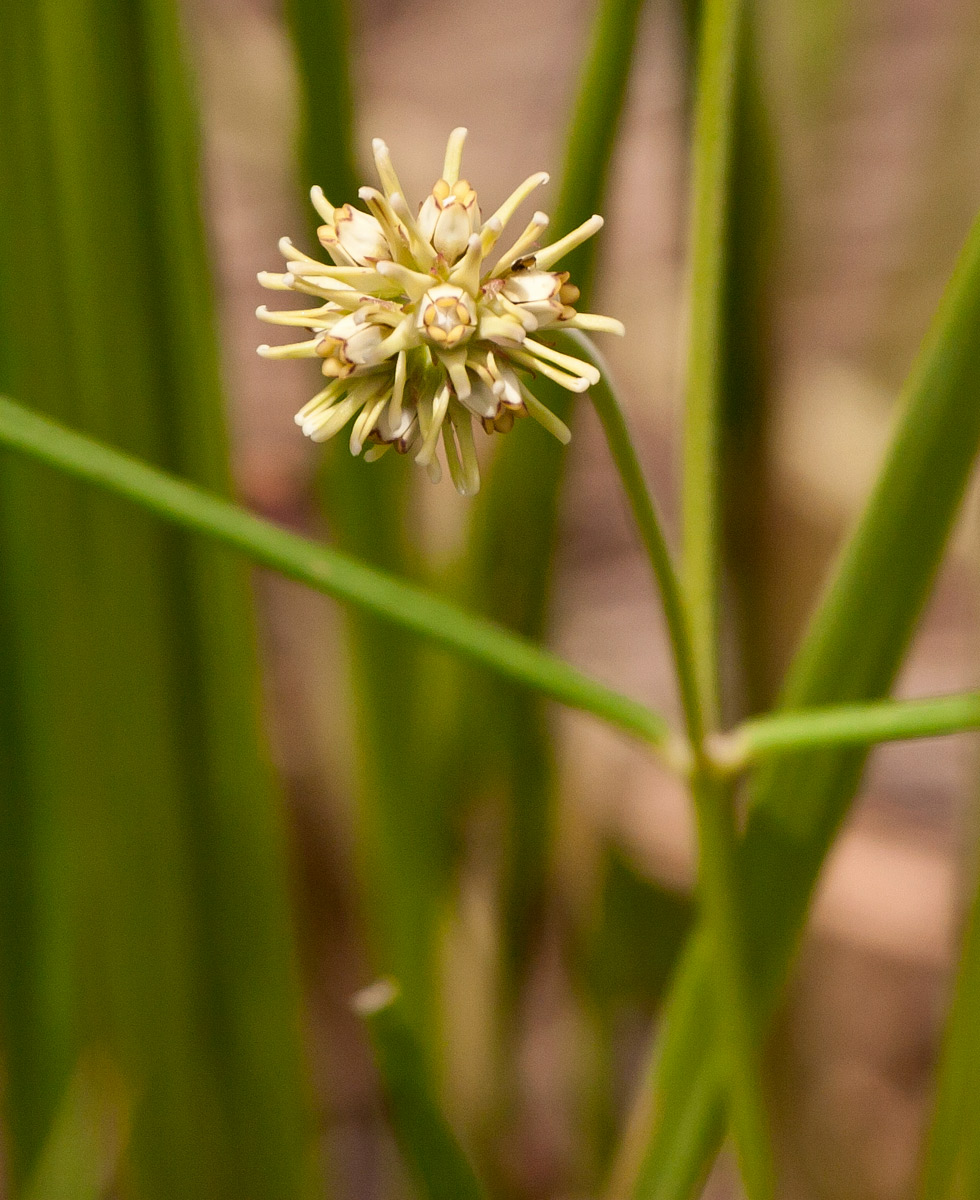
(721, 888)
(401, 825)
(744, 353)
(150, 865)
(950, 1162)
(849, 724)
(854, 648)
(438, 1164)
(722, 905)
(327, 570)
(714, 126)
(81, 1154)
(748, 336)
(36, 925)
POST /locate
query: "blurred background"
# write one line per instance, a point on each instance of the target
(873, 112)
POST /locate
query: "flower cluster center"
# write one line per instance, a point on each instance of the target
(425, 326)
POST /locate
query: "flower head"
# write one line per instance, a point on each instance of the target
(423, 325)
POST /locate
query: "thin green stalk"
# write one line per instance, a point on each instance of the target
(508, 576)
(852, 653)
(951, 1155)
(847, 725)
(613, 419)
(758, 614)
(720, 888)
(438, 1164)
(735, 1023)
(601, 95)
(712, 151)
(329, 571)
(724, 911)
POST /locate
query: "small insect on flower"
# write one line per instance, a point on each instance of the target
(423, 325)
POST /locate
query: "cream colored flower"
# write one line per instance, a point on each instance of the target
(422, 326)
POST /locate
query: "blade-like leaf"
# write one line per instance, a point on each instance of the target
(852, 652)
(402, 604)
(849, 725)
(150, 866)
(436, 1160)
(951, 1160)
(714, 123)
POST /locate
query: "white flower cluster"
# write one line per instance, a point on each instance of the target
(422, 325)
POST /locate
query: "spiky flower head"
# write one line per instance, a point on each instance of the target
(423, 324)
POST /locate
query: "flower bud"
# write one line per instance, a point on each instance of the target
(359, 235)
(449, 216)
(348, 345)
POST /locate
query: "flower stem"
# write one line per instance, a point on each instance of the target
(613, 419)
(736, 1023)
(721, 894)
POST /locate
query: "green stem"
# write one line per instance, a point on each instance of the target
(621, 447)
(847, 725)
(437, 1162)
(329, 571)
(717, 835)
(721, 893)
(854, 648)
(951, 1142)
(713, 125)
(736, 1021)
(602, 90)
